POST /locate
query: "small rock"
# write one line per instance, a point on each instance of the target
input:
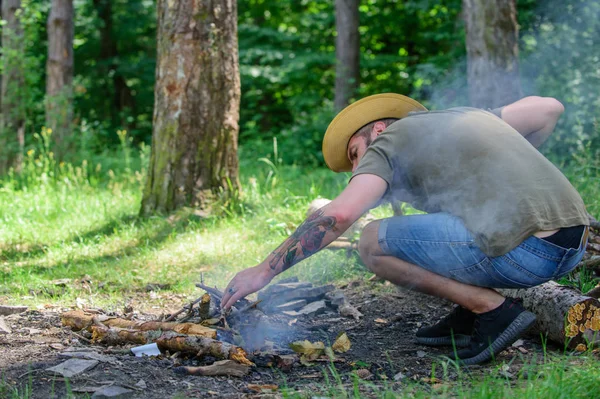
(421, 354)
(336, 298)
(113, 392)
(313, 309)
(89, 356)
(141, 384)
(364, 374)
(8, 310)
(399, 376)
(73, 367)
(518, 343)
(348, 310)
(4, 328)
(34, 331)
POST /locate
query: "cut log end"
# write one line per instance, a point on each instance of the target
(581, 317)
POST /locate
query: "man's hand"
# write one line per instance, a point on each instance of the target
(318, 230)
(244, 283)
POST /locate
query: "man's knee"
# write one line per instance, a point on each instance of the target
(368, 246)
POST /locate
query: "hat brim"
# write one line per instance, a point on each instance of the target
(357, 115)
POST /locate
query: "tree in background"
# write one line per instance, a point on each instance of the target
(196, 111)
(12, 118)
(492, 52)
(347, 48)
(59, 74)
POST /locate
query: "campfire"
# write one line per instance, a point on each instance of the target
(266, 332)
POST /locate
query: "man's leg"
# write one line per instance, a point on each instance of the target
(397, 271)
(497, 322)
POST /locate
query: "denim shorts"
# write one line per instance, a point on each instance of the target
(440, 243)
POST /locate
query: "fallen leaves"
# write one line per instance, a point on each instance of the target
(310, 351)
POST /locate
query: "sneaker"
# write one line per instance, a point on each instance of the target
(494, 331)
(454, 329)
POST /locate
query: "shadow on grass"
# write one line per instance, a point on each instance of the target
(153, 231)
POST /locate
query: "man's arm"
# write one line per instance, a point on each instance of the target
(533, 117)
(318, 230)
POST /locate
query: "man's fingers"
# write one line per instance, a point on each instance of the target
(233, 299)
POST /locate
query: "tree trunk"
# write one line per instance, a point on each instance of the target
(59, 74)
(563, 313)
(12, 119)
(492, 52)
(196, 106)
(121, 93)
(347, 48)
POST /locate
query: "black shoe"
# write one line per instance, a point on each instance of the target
(454, 329)
(494, 331)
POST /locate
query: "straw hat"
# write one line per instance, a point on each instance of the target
(357, 115)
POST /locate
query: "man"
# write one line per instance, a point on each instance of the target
(500, 215)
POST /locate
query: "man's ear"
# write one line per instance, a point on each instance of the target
(379, 127)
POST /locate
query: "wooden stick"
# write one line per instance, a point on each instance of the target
(222, 367)
(171, 341)
(78, 320)
(188, 307)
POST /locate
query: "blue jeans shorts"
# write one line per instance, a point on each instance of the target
(441, 244)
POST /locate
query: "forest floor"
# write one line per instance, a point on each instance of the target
(383, 357)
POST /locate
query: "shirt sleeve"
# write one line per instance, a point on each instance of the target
(376, 160)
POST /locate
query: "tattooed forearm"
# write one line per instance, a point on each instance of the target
(305, 241)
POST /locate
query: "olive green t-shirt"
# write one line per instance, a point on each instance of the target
(473, 165)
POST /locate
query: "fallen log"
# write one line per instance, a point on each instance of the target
(170, 341)
(79, 320)
(222, 367)
(564, 315)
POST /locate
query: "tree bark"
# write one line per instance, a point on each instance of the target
(196, 108)
(12, 112)
(59, 74)
(347, 49)
(564, 315)
(492, 52)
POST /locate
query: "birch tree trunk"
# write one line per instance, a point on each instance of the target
(492, 52)
(196, 108)
(59, 74)
(347, 49)
(12, 116)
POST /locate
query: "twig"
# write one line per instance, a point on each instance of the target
(590, 263)
(89, 341)
(213, 291)
(250, 306)
(187, 307)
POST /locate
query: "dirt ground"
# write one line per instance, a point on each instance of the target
(383, 351)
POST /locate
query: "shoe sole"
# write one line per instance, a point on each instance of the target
(519, 325)
(459, 340)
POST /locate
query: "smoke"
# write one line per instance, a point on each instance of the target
(559, 55)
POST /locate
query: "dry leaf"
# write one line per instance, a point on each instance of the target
(342, 343)
(381, 321)
(307, 349)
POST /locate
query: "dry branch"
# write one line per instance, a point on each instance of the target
(170, 341)
(78, 320)
(563, 313)
(222, 367)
